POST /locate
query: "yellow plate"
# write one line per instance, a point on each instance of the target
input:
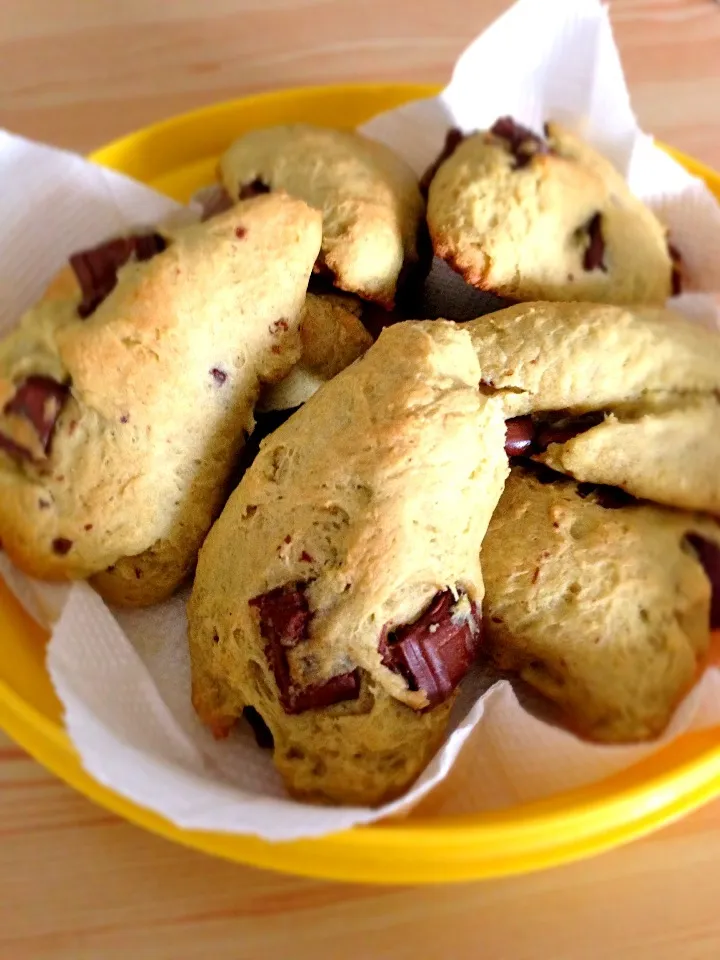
(178, 156)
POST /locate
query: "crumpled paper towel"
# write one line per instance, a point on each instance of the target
(123, 677)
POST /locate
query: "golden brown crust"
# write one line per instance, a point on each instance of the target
(162, 378)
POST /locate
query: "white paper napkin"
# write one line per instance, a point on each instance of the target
(123, 677)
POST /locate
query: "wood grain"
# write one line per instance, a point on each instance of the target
(78, 884)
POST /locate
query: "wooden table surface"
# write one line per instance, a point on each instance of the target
(76, 882)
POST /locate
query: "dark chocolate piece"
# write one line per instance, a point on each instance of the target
(524, 144)
(39, 400)
(435, 652)
(96, 269)
(519, 436)
(708, 553)
(284, 622)
(61, 545)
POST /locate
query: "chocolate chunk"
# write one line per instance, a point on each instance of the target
(559, 428)
(519, 436)
(39, 400)
(595, 253)
(96, 269)
(219, 375)
(284, 615)
(453, 138)
(253, 189)
(708, 553)
(435, 652)
(676, 279)
(610, 498)
(61, 545)
(345, 686)
(263, 735)
(215, 201)
(523, 143)
(284, 622)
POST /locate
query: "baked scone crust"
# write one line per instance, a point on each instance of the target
(557, 224)
(370, 199)
(653, 377)
(373, 499)
(605, 611)
(161, 382)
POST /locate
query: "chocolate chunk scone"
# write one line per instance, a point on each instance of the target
(629, 398)
(123, 409)
(605, 609)
(533, 218)
(370, 199)
(338, 595)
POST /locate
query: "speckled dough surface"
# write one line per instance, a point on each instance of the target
(653, 377)
(153, 392)
(605, 611)
(354, 501)
(371, 203)
(556, 222)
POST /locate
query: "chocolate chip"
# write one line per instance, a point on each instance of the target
(125, 418)
(263, 735)
(96, 269)
(345, 686)
(39, 400)
(708, 553)
(677, 269)
(594, 257)
(519, 436)
(285, 617)
(559, 427)
(240, 233)
(284, 614)
(215, 201)
(435, 652)
(523, 143)
(44, 504)
(219, 375)
(278, 326)
(61, 545)
(610, 498)
(253, 189)
(88, 526)
(305, 557)
(453, 138)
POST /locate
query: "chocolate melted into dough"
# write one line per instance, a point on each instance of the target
(96, 269)
(285, 617)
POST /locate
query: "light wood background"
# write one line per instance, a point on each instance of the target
(78, 884)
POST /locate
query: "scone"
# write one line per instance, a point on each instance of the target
(371, 203)
(545, 219)
(124, 409)
(603, 608)
(338, 595)
(625, 397)
(333, 336)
